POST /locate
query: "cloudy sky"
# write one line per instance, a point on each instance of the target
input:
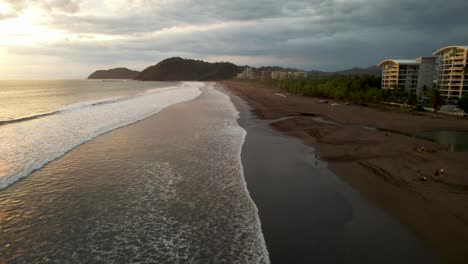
(71, 38)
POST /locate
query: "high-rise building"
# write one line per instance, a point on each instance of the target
(408, 74)
(452, 72)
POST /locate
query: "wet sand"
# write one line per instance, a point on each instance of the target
(383, 168)
(308, 214)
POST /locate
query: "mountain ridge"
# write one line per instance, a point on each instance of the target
(179, 69)
(115, 73)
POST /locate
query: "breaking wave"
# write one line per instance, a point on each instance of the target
(28, 143)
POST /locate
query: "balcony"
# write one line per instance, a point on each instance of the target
(457, 74)
(459, 63)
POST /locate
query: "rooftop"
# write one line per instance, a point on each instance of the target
(450, 47)
(397, 61)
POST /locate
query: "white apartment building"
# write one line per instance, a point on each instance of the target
(298, 75)
(281, 75)
(452, 72)
(409, 74)
(247, 73)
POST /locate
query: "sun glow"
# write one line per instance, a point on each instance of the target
(26, 29)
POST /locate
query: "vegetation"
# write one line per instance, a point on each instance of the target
(436, 99)
(463, 103)
(424, 94)
(412, 98)
(178, 69)
(117, 73)
(355, 88)
(361, 89)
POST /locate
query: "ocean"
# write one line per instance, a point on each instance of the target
(168, 189)
(42, 120)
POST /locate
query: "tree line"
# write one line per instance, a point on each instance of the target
(361, 89)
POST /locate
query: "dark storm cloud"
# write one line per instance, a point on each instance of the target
(325, 34)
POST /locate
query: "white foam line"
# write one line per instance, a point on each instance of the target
(112, 99)
(244, 182)
(90, 103)
(20, 154)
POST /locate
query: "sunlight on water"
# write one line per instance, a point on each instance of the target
(28, 145)
(23, 98)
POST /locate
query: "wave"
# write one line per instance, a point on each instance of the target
(31, 142)
(261, 239)
(26, 118)
(75, 106)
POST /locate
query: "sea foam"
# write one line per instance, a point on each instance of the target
(29, 145)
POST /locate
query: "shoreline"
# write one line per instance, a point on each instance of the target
(308, 215)
(383, 168)
(166, 189)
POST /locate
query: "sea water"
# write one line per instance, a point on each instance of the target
(30, 98)
(169, 189)
(45, 119)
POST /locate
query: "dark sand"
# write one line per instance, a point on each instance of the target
(308, 214)
(384, 169)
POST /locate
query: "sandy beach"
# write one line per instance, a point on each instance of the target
(385, 168)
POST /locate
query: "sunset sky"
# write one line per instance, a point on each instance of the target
(71, 38)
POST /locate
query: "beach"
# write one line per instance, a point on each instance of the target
(191, 174)
(385, 168)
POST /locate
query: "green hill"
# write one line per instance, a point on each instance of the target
(117, 73)
(178, 69)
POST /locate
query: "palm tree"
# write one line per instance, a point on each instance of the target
(424, 94)
(463, 103)
(436, 99)
(412, 98)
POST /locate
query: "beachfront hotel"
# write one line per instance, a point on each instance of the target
(408, 74)
(452, 72)
(247, 73)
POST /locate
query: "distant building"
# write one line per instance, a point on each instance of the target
(281, 75)
(247, 73)
(299, 75)
(266, 75)
(452, 72)
(278, 75)
(408, 74)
